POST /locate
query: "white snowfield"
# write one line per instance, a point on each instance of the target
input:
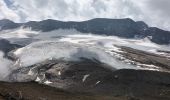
(73, 36)
(43, 50)
(71, 45)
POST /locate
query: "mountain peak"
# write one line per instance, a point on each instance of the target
(8, 24)
(3, 21)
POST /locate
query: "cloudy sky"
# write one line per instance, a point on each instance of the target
(153, 12)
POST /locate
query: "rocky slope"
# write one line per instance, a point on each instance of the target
(160, 62)
(118, 85)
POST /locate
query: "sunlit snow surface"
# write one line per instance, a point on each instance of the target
(72, 45)
(44, 50)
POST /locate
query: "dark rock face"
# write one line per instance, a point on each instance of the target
(119, 27)
(6, 46)
(158, 35)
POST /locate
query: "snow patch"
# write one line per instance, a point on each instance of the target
(97, 82)
(85, 77)
(38, 79)
(47, 82)
(59, 73)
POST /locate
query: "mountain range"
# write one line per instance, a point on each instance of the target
(126, 28)
(97, 59)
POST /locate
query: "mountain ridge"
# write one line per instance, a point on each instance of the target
(126, 28)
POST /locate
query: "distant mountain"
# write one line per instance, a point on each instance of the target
(126, 28)
(8, 24)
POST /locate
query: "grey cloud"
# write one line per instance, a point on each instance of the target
(162, 6)
(153, 12)
(99, 6)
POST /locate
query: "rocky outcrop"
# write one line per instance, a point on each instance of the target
(143, 57)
